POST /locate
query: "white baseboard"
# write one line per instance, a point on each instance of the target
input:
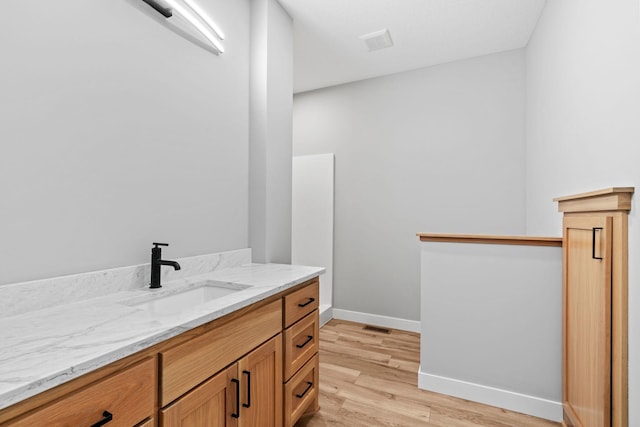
(374, 319)
(512, 401)
(326, 314)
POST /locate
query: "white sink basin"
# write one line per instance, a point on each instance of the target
(198, 294)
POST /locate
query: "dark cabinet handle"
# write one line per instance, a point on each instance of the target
(306, 390)
(108, 416)
(307, 303)
(237, 413)
(248, 404)
(309, 338)
(593, 242)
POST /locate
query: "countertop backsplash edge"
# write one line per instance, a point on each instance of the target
(23, 297)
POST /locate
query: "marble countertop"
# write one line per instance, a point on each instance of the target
(42, 349)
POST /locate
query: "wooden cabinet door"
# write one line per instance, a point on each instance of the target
(211, 404)
(587, 320)
(261, 391)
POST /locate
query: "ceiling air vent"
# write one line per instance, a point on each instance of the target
(377, 40)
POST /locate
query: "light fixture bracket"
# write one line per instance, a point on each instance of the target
(164, 11)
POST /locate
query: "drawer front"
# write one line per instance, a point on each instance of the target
(301, 302)
(301, 342)
(301, 392)
(188, 364)
(127, 396)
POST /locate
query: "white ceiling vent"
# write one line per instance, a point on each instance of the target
(377, 40)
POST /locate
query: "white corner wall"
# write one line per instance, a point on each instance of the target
(312, 221)
(583, 126)
(491, 325)
(116, 133)
(439, 149)
(271, 97)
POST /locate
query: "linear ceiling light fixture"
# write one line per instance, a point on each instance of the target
(194, 15)
(205, 17)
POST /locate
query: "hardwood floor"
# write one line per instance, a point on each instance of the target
(369, 379)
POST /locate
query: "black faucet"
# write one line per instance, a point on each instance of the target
(156, 262)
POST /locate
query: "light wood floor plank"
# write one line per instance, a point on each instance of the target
(369, 379)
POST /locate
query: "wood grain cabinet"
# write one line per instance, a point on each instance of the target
(124, 399)
(246, 394)
(211, 404)
(261, 386)
(595, 308)
(228, 372)
(301, 392)
(148, 423)
(301, 344)
(188, 364)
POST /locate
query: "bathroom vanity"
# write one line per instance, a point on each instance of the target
(248, 358)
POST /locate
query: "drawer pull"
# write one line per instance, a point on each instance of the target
(309, 338)
(593, 242)
(108, 416)
(248, 404)
(306, 390)
(237, 413)
(307, 303)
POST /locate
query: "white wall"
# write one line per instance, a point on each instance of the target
(583, 126)
(270, 125)
(438, 149)
(115, 133)
(312, 221)
(491, 325)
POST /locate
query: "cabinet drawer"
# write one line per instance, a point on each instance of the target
(301, 341)
(128, 396)
(300, 303)
(188, 364)
(300, 392)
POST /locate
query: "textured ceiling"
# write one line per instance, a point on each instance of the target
(328, 51)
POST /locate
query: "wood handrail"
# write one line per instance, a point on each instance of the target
(491, 239)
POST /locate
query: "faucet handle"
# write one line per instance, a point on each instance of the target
(160, 244)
